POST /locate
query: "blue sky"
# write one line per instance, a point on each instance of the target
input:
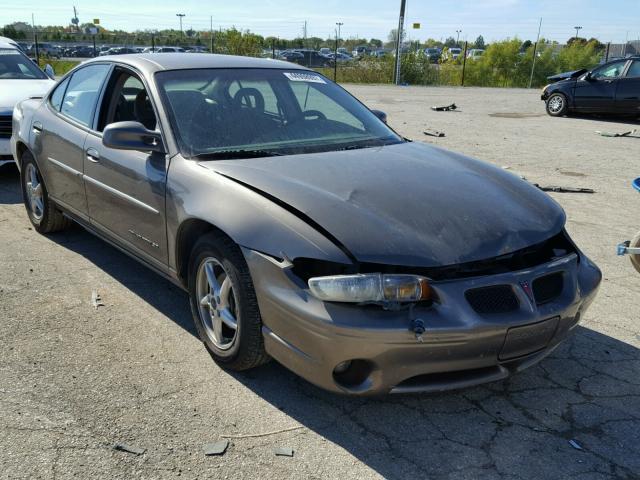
(612, 20)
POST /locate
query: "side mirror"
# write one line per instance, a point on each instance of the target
(380, 114)
(48, 69)
(131, 136)
(588, 77)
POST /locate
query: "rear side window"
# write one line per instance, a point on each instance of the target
(82, 93)
(58, 94)
(634, 70)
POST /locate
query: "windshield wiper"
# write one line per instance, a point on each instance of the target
(235, 154)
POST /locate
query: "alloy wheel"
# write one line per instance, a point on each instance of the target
(35, 196)
(217, 303)
(556, 103)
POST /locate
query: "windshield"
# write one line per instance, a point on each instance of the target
(16, 65)
(220, 112)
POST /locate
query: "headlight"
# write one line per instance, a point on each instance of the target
(372, 287)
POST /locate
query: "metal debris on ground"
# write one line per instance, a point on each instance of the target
(575, 444)
(554, 188)
(283, 452)
(123, 447)
(630, 133)
(217, 448)
(254, 435)
(96, 301)
(445, 108)
(433, 133)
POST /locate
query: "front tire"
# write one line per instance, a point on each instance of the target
(224, 305)
(557, 105)
(42, 211)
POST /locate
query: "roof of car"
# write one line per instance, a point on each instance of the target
(154, 62)
(8, 43)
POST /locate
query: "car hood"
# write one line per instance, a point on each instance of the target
(567, 75)
(406, 204)
(13, 91)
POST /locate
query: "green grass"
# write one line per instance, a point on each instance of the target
(60, 67)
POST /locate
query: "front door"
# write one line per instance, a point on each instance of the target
(628, 93)
(126, 188)
(60, 128)
(597, 92)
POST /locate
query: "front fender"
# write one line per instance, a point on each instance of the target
(22, 120)
(247, 217)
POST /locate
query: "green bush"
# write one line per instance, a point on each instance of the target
(504, 64)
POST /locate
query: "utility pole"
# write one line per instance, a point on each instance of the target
(335, 57)
(180, 15)
(35, 39)
(403, 4)
(211, 33)
(577, 31)
(458, 32)
(535, 51)
(304, 35)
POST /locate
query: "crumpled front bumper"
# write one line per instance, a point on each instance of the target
(459, 348)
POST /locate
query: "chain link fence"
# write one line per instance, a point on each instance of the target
(507, 63)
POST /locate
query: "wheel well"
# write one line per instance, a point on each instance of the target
(20, 149)
(188, 234)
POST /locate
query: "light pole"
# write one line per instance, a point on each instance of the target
(458, 32)
(577, 31)
(180, 15)
(397, 66)
(335, 56)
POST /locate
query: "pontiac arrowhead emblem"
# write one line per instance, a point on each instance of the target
(526, 288)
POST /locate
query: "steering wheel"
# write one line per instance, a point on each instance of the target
(314, 113)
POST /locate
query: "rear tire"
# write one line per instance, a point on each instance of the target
(557, 105)
(43, 213)
(224, 304)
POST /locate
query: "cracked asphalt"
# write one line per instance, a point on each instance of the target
(74, 380)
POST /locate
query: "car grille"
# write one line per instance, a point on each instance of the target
(494, 299)
(5, 126)
(548, 288)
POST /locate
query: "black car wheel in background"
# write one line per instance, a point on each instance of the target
(557, 105)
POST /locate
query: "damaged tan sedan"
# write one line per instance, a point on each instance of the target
(302, 226)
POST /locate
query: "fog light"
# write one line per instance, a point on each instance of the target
(342, 367)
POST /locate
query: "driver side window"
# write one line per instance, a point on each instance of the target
(613, 70)
(127, 100)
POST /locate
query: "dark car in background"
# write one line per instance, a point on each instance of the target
(433, 54)
(612, 88)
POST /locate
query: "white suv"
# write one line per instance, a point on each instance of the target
(20, 78)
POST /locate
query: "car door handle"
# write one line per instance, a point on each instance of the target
(93, 155)
(37, 127)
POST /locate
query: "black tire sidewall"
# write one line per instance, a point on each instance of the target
(232, 261)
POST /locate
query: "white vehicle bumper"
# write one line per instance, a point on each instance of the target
(6, 155)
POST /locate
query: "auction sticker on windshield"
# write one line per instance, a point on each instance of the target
(303, 77)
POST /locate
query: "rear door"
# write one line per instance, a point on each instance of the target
(59, 132)
(597, 92)
(126, 188)
(628, 92)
